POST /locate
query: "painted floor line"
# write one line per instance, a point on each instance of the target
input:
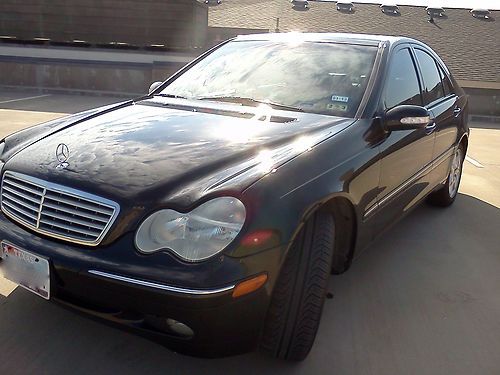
(21, 99)
(6, 287)
(474, 162)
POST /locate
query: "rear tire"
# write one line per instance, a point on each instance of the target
(298, 297)
(446, 195)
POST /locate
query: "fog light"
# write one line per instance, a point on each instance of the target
(179, 328)
(168, 326)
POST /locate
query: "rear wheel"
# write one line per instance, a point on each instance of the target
(446, 195)
(299, 294)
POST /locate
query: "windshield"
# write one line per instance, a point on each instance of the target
(315, 77)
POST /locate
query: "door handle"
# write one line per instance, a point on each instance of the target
(457, 111)
(430, 128)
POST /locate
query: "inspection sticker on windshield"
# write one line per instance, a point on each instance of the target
(337, 107)
(338, 98)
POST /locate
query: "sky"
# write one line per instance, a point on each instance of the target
(467, 4)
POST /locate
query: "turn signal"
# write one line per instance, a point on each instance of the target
(249, 286)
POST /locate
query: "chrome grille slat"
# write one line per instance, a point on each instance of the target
(72, 211)
(68, 227)
(23, 195)
(22, 187)
(56, 210)
(21, 210)
(80, 204)
(22, 203)
(73, 220)
(70, 235)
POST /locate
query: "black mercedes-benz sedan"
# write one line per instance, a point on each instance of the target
(209, 214)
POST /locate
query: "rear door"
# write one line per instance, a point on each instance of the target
(440, 99)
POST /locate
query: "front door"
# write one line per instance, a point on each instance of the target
(406, 155)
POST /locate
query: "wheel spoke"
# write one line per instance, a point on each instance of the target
(455, 171)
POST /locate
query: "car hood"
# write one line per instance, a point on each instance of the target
(151, 147)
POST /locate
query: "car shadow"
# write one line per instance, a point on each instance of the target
(422, 299)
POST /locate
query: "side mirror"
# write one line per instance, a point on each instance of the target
(404, 117)
(154, 86)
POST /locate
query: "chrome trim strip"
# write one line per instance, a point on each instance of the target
(154, 285)
(371, 209)
(40, 209)
(46, 185)
(430, 166)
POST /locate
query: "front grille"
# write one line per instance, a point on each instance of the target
(55, 210)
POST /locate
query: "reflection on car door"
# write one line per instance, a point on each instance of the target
(441, 101)
(406, 155)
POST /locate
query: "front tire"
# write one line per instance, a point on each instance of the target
(446, 195)
(298, 297)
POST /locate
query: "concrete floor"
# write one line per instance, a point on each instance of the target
(424, 299)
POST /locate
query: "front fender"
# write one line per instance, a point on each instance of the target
(344, 166)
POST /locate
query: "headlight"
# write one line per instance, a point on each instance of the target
(196, 235)
(2, 148)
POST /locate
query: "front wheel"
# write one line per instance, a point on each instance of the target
(298, 296)
(446, 195)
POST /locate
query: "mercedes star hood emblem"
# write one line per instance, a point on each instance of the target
(62, 155)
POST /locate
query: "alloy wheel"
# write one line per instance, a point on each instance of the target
(455, 173)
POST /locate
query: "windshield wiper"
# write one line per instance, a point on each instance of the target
(250, 102)
(171, 96)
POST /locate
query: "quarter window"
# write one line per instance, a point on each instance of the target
(402, 82)
(448, 87)
(433, 88)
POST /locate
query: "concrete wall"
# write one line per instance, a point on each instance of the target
(484, 102)
(176, 24)
(132, 79)
(75, 69)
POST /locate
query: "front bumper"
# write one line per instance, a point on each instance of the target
(139, 293)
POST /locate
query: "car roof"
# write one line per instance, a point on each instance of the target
(365, 39)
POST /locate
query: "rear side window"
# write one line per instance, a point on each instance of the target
(448, 87)
(433, 88)
(402, 82)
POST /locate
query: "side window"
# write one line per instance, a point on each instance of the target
(402, 85)
(448, 87)
(433, 88)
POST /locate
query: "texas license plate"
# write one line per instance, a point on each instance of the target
(25, 268)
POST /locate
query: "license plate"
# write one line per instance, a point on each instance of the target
(25, 268)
